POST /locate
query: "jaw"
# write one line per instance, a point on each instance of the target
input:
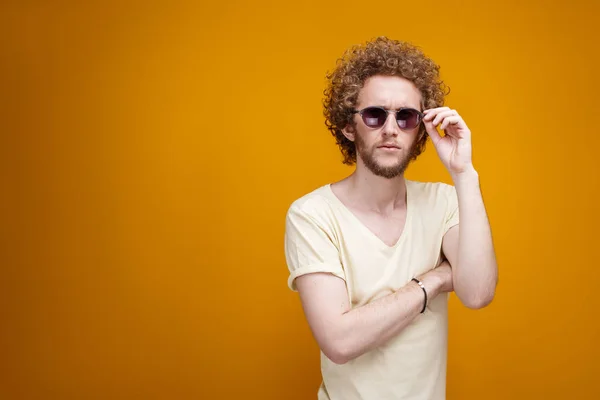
(385, 165)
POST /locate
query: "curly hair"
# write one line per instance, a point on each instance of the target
(381, 56)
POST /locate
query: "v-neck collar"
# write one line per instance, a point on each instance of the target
(407, 220)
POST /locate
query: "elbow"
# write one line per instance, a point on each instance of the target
(338, 351)
(341, 343)
(337, 358)
(337, 355)
(479, 296)
(477, 302)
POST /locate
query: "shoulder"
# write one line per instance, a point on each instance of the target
(317, 204)
(432, 191)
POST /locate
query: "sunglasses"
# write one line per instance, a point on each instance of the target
(375, 117)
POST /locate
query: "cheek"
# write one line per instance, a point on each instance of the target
(413, 136)
(364, 142)
(368, 137)
(414, 142)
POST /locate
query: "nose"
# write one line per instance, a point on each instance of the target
(391, 127)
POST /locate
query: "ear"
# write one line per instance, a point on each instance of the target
(349, 132)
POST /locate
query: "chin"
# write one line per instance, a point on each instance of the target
(390, 164)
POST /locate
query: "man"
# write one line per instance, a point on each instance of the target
(375, 255)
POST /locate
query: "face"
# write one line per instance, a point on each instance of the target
(385, 151)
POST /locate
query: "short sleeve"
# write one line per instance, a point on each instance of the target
(309, 246)
(451, 218)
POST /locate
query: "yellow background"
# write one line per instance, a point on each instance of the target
(150, 152)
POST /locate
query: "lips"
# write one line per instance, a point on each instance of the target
(389, 146)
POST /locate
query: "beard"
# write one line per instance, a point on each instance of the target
(391, 171)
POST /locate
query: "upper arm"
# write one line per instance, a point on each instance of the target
(451, 227)
(316, 272)
(324, 300)
(450, 245)
(310, 245)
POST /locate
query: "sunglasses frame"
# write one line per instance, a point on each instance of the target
(388, 112)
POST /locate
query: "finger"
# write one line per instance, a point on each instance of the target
(451, 120)
(435, 109)
(441, 116)
(431, 113)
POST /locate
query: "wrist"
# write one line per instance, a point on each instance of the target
(467, 175)
(433, 283)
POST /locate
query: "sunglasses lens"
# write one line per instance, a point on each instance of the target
(374, 117)
(408, 119)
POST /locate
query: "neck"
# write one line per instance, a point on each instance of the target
(377, 193)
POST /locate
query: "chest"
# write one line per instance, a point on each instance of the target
(380, 255)
(387, 228)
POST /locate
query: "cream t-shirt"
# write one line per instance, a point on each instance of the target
(323, 235)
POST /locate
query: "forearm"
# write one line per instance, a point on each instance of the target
(476, 273)
(367, 327)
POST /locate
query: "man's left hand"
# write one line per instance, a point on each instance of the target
(454, 148)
